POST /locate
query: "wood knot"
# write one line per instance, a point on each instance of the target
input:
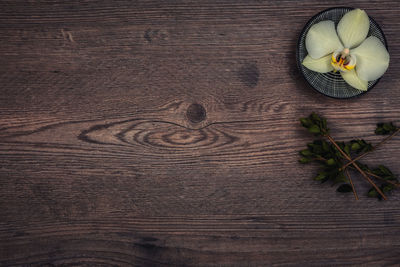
(155, 35)
(249, 75)
(196, 113)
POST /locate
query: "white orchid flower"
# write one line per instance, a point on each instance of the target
(358, 58)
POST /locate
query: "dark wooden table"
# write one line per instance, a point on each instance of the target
(154, 133)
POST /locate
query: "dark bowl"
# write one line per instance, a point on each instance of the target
(332, 84)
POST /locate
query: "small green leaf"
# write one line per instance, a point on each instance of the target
(360, 146)
(306, 153)
(316, 147)
(324, 124)
(355, 146)
(372, 192)
(347, 149)
(344, 188)
(337, 152)
(321, 176)
(384, 172)
(318, 142)
(330, 162)
(325, 147)
(362, 166)
(306, 122)
(385, 128)
(314, 129)
(387, 188)
(304, 160)
(315, 117)
(367, 148)
(340, 178)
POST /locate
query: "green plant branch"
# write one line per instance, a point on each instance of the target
(379, 178)
(331, 156)
(351, 183)
(356, 166)
(374, 148)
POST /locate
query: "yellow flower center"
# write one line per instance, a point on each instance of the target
(342, 60)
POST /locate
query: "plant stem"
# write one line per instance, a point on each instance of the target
(319, 158)
(352, 185)
(380, 178)
(356, 166)
(375, 147)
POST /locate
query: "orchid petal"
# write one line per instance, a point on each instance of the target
(372, 59)
(321, 65)
(352, 79)
(353, 28)
(322, 39)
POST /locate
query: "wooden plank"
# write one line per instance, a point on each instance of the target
(279, 239)
(153, 133)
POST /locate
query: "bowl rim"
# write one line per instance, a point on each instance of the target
(311, 20)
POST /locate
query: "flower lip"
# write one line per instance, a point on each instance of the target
(300, 46)
(343, 61)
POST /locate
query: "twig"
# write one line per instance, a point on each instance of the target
(379, 178)
(375, 147)
(319, 158)
(356, 166)
(352, 185)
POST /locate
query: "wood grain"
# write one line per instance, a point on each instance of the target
(153, 133)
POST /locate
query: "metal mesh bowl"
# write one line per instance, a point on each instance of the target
(332, 84)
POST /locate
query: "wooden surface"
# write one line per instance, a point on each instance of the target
(160, 133)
